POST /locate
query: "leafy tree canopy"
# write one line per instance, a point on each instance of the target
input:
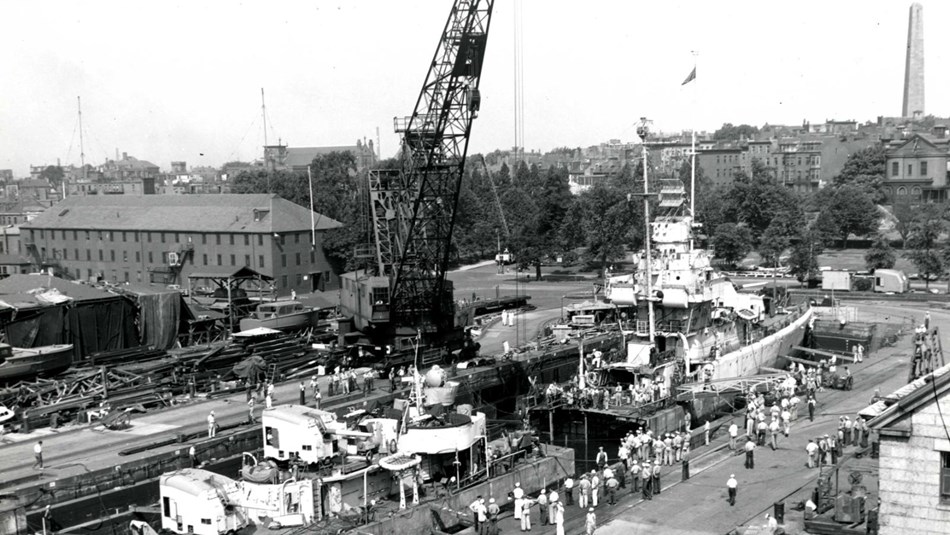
(732, 243)
(728, 132)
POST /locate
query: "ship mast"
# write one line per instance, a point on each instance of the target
(264, 117)
(82, 151)
(643, 130)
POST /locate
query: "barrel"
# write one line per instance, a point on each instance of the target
(779, 512)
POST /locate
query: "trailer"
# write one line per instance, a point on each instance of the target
(891, 281)
(836, 280)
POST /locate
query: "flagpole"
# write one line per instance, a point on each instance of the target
(692, 152)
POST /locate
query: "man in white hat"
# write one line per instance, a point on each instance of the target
(732, 486)
(517, 495)
(212, 427)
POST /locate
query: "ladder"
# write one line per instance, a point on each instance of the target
(271, 373)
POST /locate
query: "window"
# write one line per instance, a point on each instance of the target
(204, 260)
(75, 236)
(124, 236)
(910, 169)
(298, 259)
(217, 238)
(135, 236)
(895, 168)
(176, 238)
(260, 261)
(138, 256)
(247, 260)
(312, 254)
(88, 255)
(247, 239)
(945, 476)
(283, 281)
(206, 521)
(162, 235)
(296, 237)
(77, 254)
(204, 239)
(923, 168)
(231, 237)
(298, 279)
(148, 237)
(260, 239)
(100, 255)
(219, 261)
(65, 252)
(126, 276)
(283, 261)
(112, 255)
(87, 234)
(151, 258)
(233, 262)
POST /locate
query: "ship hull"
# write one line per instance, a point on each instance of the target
(769, 352)
(29, 363)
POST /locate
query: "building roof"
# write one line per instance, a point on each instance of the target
(240, 213)
(7, 259)
(906, 400)
(24, 291)
(303, 156)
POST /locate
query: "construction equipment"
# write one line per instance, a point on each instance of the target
(414, 208)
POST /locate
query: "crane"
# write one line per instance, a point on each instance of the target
(414, 208)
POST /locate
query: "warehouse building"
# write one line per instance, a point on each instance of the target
(165, 238)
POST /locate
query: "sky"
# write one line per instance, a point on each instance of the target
(181, 80)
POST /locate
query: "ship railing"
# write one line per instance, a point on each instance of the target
(665, 326)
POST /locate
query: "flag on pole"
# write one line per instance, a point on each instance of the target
(691, 77)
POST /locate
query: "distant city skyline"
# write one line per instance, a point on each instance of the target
(181, 82)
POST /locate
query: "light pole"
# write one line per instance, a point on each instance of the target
(562, 309)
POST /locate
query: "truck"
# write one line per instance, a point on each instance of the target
(834, 279)
(891, 281)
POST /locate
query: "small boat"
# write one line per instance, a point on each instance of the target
(281, 315)
(19, 363)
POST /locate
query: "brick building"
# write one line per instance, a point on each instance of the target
(165, 238)
(914, 456)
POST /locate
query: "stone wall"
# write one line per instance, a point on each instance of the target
(910, 475)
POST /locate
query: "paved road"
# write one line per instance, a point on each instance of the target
(699, 506)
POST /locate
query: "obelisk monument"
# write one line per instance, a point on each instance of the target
(914, 67)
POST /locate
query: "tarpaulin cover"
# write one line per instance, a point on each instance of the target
(159, 314)
(250, 368)
(90, 326)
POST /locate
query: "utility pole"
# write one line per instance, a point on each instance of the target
(82, 150)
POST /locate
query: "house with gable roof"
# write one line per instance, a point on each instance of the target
(916, 170)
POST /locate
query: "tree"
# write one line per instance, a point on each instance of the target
(605, 222)
(54, 174)
(729, 132)
(847, 210)
(803, 261)
(755, 200)
(880, 255)
(921, 247)
(337, 195)
(732, 243)
(904, 213)
(865, 169)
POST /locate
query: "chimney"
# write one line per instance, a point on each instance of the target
(125, 156)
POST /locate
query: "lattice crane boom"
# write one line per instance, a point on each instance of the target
(414, 210)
